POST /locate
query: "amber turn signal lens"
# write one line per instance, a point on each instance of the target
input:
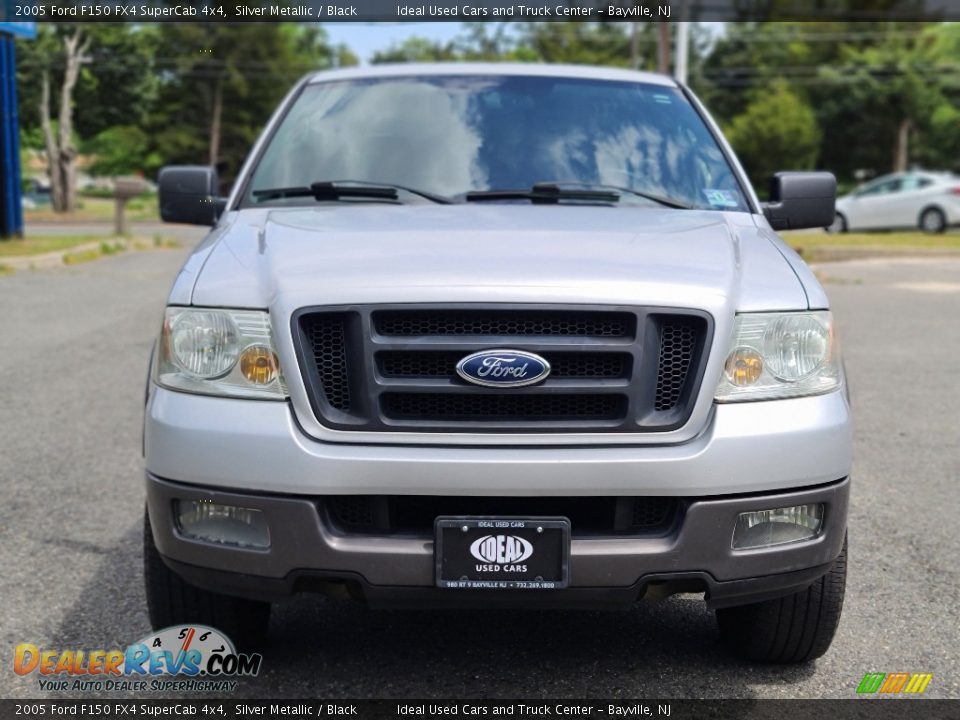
(259, 365)
(744, 366)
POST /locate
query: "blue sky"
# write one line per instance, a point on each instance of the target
(366, 38)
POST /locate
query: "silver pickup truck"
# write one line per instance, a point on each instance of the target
(498, 335)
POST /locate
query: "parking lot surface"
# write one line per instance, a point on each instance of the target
(75, 343)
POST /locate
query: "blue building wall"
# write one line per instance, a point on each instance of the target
(11, 207)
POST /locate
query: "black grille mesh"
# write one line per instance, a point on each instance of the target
(678, 341)
(328, 343)
(502, 408)
(562, 365)
(354, 510)
(505, 322)
(651, 511)
(588, 515)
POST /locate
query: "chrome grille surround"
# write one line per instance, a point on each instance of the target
(617, 369)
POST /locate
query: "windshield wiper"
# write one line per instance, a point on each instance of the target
(660, 199)
(545, 193)
(666, 201)
(338, 189)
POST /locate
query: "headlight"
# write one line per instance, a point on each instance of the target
(219, 352)
(204, 343)
(780, 355)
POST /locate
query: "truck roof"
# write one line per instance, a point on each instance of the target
(537, 69)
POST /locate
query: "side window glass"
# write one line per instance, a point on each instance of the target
(915, 183)
(882, 188)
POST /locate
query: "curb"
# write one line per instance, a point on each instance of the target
(843, 254)
(53, 259)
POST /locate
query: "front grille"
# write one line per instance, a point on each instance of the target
(415, 514)
(678, 342)
(412, 364)
(328, 344)
(517, 323)
(613, 369)
(502, 408)
(354, 511)
(651, 511)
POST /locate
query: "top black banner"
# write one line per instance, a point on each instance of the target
(215, 708)
(477, 10)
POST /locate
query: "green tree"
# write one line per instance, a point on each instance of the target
(122, 150)
(895, 87)
(937, 143)
(776, 131)
(73, 81)
(585, 43)
(417, 49)
(219, 83)
(488, 42)
(116, 84)
(884, 93)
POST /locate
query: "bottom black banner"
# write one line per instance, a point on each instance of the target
(888, 709)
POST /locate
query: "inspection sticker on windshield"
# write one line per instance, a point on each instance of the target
(721, 198)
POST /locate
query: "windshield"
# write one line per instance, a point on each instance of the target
(450, 135)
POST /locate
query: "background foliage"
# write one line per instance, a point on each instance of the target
(839, 96)
(147, 96)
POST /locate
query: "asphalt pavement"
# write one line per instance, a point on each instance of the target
(74, 343)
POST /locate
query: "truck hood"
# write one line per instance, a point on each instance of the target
(283, 258)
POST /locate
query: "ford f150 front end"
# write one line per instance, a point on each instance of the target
(498, 335)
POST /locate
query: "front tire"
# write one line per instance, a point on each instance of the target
(173, 601)
(797, 628)
(933, 221)
(839, 224)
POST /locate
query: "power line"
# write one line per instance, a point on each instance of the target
(801, 70)
(816, 37)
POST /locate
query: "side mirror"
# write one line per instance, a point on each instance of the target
(801, 200)
(190, 194)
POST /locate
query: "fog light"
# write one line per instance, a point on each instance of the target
(222, 524)
(779, 526)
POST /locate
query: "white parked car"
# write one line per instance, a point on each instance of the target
(927, 200)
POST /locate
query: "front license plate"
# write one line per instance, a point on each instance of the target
(505, 553)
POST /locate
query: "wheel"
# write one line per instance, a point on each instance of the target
(173, 601)
(792, 629)
(839, 224)
(932, 220)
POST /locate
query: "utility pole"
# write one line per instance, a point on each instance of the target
(635, 45)
(663, 48)
(682, 51)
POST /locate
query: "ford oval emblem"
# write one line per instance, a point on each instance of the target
(503, 368)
